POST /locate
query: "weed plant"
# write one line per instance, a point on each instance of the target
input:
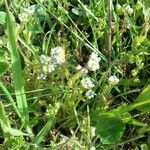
(74, 75)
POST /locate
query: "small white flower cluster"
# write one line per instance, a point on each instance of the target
(24, 16)
(90, 94)
(93, 63)
(84, 70)
(49, 64)
(113, 80)
(57, 55)
(88, 84)
(124, 9)
(41, 76)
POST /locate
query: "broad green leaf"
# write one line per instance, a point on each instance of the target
(41, 14)
(144, 97)
(2, 17)
(110, 128)
(35, 28)
(3, 67)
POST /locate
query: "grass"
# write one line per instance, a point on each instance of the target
(46, 103)
(16, 67)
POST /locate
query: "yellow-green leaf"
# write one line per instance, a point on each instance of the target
(144, 97)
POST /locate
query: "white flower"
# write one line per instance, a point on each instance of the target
(128, 9)
(93, 66)
(49, 64)
(41, 76)
(45, 68)
(93, 63)
(51, 68)
(87, 83)
(58, 55)
(90, 94)
(93, 129)
(57, 60)
(113, 80)
(84, 70)
(92, 148)
(79, 67)
(24, 16)
(56, 51)
(29, 10)
(43, 59)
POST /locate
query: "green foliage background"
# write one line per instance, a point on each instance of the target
(54, 113)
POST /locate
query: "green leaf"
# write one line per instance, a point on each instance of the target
(15, 132)
(144, 147)
(127, 118)
(35, 28)
(144, 97)
(147, 3)
(138, 41)
(2, 53)
(11, 100)
(3, 67)
(16, 67)
(41, 14)
(40, 136)
(76, 11)
(2, 17)
(110, 128)
(4, 121)
(146, 10)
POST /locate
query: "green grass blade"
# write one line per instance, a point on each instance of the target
(4, 122)
(2, 17)
(40, 136)
(16, 67)
(10, 99)
(3, 118)
(8, 132)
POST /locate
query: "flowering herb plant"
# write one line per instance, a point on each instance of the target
(74, 75)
